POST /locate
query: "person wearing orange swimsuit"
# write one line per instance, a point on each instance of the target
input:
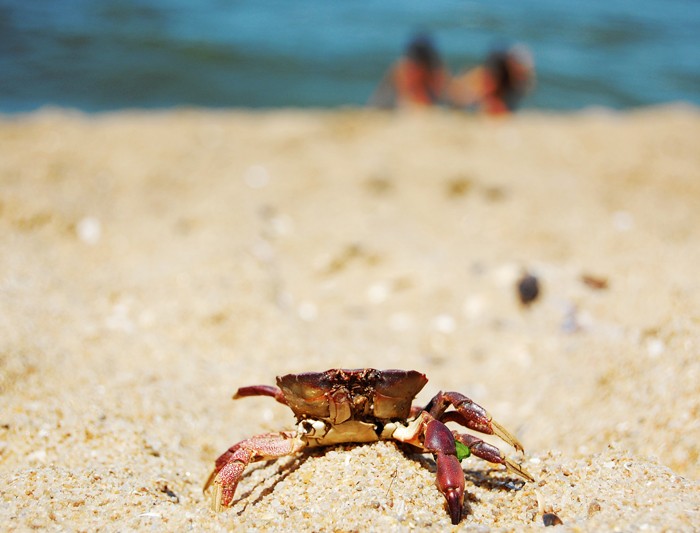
(417, 79)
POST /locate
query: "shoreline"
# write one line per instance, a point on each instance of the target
(673, 105)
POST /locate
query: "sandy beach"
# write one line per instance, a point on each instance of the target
(153, 262)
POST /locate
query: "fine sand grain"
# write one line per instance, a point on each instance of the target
(151, 263)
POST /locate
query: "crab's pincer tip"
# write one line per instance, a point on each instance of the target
(518, 469)
(454, 505)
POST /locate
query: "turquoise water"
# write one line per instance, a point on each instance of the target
(113, 54)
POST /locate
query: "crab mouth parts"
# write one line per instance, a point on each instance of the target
(314, 432)
(320, 433)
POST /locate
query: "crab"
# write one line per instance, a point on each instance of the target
(367, 405)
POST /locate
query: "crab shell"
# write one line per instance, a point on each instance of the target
(341, 395)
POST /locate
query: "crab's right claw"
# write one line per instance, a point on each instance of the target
(450, 481)
(229, 467)
(450, 477)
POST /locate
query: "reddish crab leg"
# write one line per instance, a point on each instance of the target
(260, 390)
(430, 435)
(229, 467)
(450, 478)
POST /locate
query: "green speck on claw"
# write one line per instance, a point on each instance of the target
(463, 451)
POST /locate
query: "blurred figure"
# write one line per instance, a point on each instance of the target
(497, 86)
(417, 79)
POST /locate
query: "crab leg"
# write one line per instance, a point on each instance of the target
(431, 435)
(260, 390)
(468, 414)
(450, 478)
(491, 454)
(230, 466)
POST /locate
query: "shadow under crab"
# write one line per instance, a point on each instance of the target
(366, 405)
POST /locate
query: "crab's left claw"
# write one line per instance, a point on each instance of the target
(450, 477)
(450, 481)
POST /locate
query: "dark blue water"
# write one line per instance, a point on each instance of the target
(112, 54)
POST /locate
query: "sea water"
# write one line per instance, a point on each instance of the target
(99, 55)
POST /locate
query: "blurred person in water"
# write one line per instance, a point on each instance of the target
(497, 86)
(417, 79)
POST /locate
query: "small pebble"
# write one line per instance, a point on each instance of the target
(400, 321)
(308, 311)
(570, 323)
(550, 519)
(38, 456)
(594, 282)
(623, 221)
(593, 508)
(459, 186)
(655, 348)
(89, 230)
(282, 225)
(256, 177)
(473, 307)
(528, 289)
(378, 292)
(444, 323)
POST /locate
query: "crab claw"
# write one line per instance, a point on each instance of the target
(450, 477)
(469, 414)
(450, 481)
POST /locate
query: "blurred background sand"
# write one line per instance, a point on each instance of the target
(153, 262)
